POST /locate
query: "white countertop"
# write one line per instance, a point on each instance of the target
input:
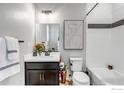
(54, 57)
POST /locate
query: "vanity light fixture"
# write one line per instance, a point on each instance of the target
(47, 12)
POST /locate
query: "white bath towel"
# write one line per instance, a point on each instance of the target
(12, 46)
(2, 50)
(9, 71)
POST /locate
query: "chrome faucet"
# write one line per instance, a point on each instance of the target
(47, 53)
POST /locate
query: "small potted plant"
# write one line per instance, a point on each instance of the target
(39, 47)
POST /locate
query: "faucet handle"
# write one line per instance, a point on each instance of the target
(110, 67)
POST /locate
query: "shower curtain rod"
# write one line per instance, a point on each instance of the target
(92, 9)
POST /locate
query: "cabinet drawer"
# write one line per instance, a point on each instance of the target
(42, 65)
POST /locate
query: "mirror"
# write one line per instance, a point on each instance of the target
(49, 35)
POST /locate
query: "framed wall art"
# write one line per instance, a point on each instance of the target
(73, 34)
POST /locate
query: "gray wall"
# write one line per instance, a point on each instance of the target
(62, 12)
(17, 20)
(98, 50)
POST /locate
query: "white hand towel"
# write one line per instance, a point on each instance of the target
(12, 48)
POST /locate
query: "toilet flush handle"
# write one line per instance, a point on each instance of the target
(71, 63)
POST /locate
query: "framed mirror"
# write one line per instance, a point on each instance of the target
(49, 35)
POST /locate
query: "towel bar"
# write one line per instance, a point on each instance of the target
(21, 41)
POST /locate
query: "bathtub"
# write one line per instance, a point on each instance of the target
(104, 76)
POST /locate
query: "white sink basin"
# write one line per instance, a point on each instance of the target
(40, 57)
(54, 57)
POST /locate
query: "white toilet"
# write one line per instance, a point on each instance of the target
(78, 77)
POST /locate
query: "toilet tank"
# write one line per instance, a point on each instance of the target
(76, 64)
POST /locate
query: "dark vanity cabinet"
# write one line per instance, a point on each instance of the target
(41, 73)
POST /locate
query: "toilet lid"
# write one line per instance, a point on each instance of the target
(81, 77)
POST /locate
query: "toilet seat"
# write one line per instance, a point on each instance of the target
(81, 78)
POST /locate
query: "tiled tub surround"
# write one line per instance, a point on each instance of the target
(105, 44)
(105, 26)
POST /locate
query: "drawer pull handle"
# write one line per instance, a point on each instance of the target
(40, 76)
(43, 78)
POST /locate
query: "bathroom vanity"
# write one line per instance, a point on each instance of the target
(42, 70)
